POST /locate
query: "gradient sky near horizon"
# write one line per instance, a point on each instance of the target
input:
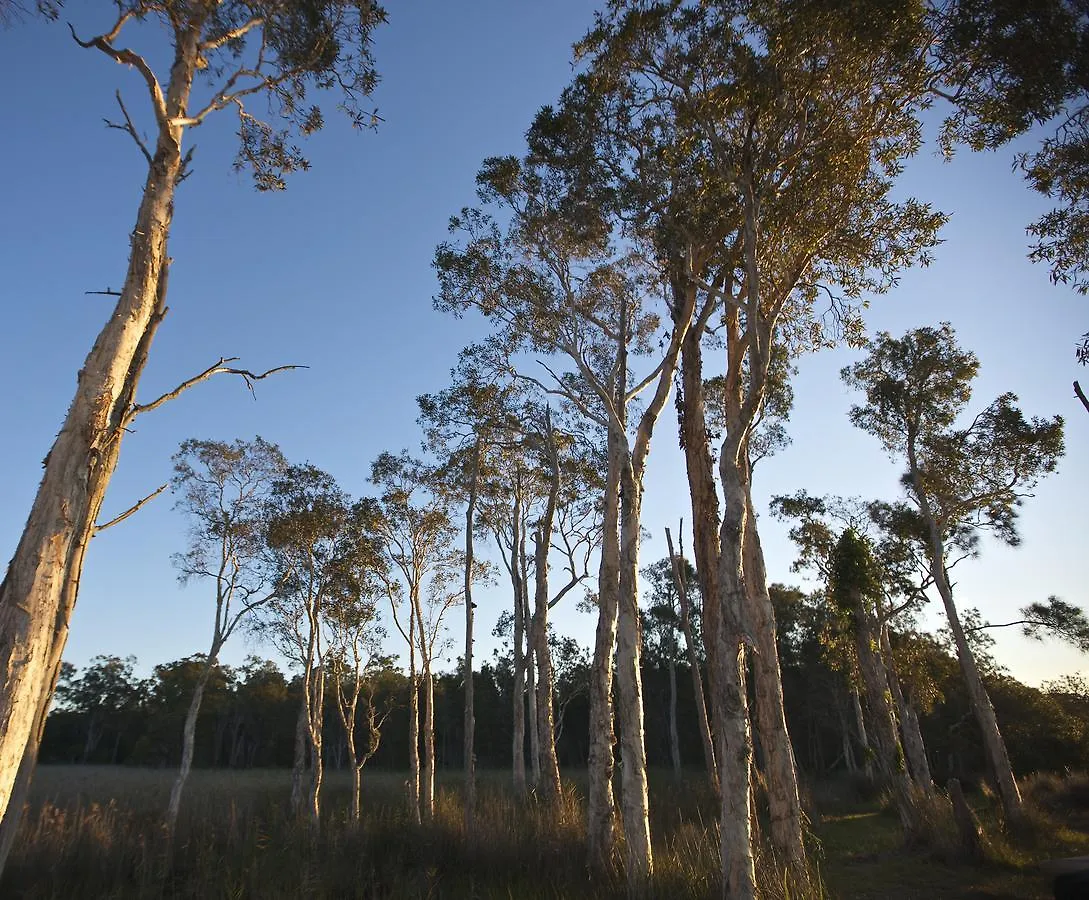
(336, 274)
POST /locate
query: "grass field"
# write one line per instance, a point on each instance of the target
(94, 832)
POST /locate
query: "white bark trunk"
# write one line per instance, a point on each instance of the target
(601, 811)
(189, 734)
(784, 804)
(635, 810)
(35, 603)
(549, 765)
(467, 675)
(518, 701)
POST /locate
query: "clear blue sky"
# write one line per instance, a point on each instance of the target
(335, 274)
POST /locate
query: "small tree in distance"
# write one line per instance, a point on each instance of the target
(224, 489)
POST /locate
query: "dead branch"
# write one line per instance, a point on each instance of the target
(1081, 396)
(135, 508)
(220, 367)
(129, 128)
(104, 42)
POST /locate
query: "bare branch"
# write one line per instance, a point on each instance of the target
(1081, 396)
(128, 58)
(136, 507)
(218, 368)
(129, 128)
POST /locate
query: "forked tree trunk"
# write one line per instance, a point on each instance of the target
(890, 753)
(601, 806)
(634, 805)
(189, 733)
(694, 665)
(35, 600)
(780, 774)
(914, 747)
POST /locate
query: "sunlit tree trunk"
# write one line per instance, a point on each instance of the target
(601, 812)
(189, 739)
(993, 745)
(35, 604)
(914, 747)
(634, 805)
(413, 720)
(780, 774)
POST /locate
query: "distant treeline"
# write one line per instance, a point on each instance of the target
(105, 714)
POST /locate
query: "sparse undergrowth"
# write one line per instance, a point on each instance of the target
(94, 832)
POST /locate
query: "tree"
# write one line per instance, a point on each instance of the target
(755, 144)
(224, 489)
(464, 424)
(960, 480)
(245, 51)
(106, 692)
(417, 537)
(556, 287)
(327, 555)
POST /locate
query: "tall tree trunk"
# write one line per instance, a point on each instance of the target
(298, 768)
(317, 761)
(601, 806)
(914, 747)
(428, 786)
(518, 702)
(413, 725)
(694, 663)
(863, 736)
(470, 716)
(532, 719)
(549, 784)
(635, 811)
(780, 773)
(732, 723)
(993, 745)
(890, 753)
(35, 600)
(691, 409)
(546, 729)
(189, 733)
(674, 737)
(845, 735)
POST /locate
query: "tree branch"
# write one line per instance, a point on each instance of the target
(136, 507)
(217, 368)
(127, 57)
(129, 127)
(1081, 396)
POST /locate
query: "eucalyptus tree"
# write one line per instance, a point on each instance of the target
(553, 286)
(223, 56)
(418, 536)
(961, 480)
(224, 489)
(465, 426)
(355, 639)
(326, 547)
(887, 563)
(756, 144)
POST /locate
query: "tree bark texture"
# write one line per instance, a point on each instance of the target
(601, 811)
(780, 774)
(35, 603)
(518, 737)
(635, 809)
(189, 733)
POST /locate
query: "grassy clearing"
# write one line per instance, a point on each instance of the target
(94, 832)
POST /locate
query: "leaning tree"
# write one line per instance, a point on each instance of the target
(235, 56)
